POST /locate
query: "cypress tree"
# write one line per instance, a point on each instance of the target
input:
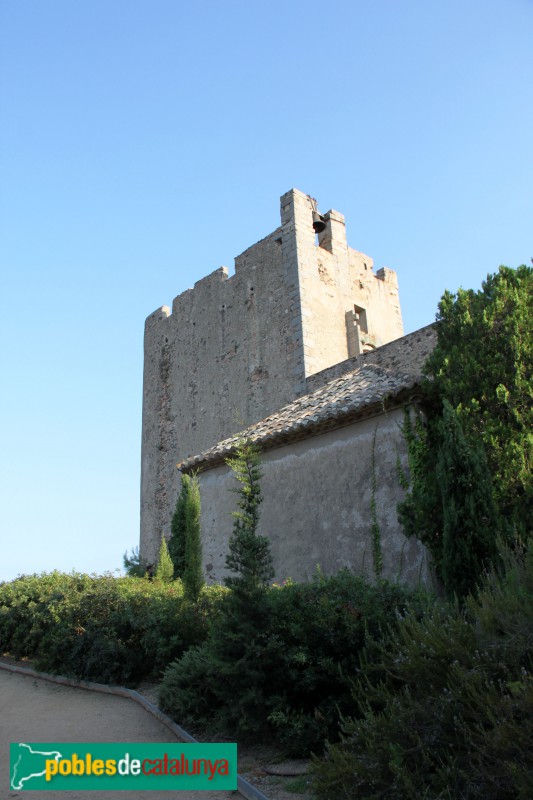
(193, 579)
(239, 639)
(249, 553)
(165, 569)
(176, 543)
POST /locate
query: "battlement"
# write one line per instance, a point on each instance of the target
(336, 265)
(158, 315)
(236, 349)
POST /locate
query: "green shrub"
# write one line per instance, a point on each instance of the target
(287, 669)
(186, 688)
(25, 608)
(318, 632)
(116, 630)
(450, 714)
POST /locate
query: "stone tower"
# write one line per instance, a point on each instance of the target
(234, 350)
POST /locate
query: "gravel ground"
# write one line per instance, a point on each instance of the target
(33, 710)
(37, 710)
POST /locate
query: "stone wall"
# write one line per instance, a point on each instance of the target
(236, 349)
(401, 356)
(226, 356)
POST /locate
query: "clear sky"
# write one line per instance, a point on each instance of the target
(144, 143)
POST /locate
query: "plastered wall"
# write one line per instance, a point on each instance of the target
(317, 505)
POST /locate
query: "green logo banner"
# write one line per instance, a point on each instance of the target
(111, 766)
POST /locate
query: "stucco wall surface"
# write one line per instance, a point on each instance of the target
(317, 496)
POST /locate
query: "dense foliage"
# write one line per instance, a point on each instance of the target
(483, 365)
(468, 510)
(479, 412)
(452, 715)
(286, 675)
(116, 630)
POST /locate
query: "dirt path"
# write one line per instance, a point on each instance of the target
(33, 710)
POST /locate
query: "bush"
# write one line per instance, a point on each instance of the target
(117, 630)
(25, 614)
(318, 633)
(450, 715)
(186, 688)
(292, 665)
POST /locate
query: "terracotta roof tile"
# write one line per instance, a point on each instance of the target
(334, 404)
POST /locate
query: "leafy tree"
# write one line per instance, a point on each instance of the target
(249, 553)
(480, 385)
(164, 570)
(193, 579)
(176, 543)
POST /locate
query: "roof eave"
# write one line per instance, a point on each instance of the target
(405, 397)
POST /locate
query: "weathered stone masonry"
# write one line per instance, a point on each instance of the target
(237, 349)
(328, 458)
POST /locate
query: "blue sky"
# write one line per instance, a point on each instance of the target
(144, 143)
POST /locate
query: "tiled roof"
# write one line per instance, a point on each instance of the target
(340, 401)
